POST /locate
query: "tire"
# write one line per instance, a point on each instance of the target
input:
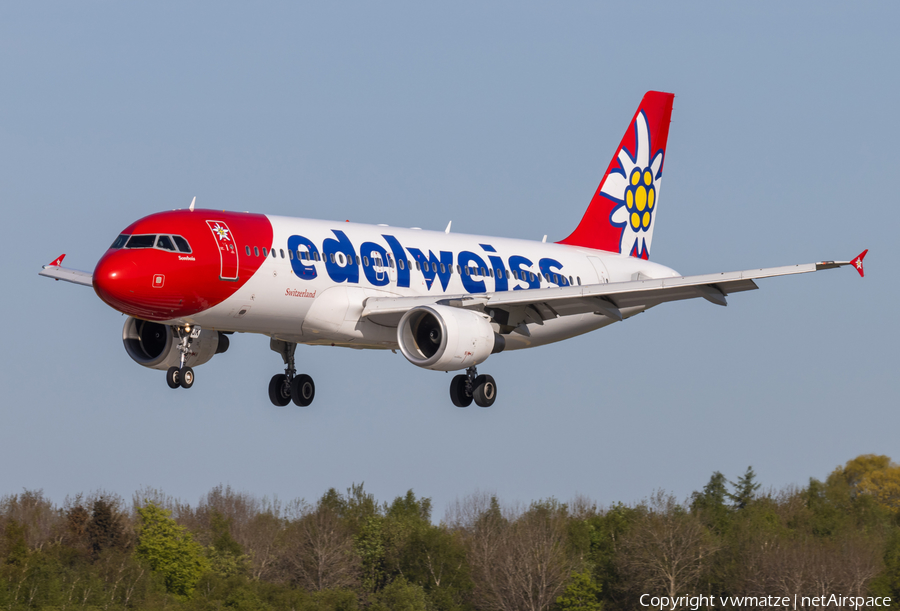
(458, 391)
(173, 379)
(485, 391)
(276, 390)
(186, 377)
(303, 390)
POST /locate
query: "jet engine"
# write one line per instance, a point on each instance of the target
(445, 338)
(156, 346)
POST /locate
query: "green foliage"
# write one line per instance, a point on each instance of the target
(349, 552)
(744, 489)
(170, 550)
(710, 503)
(369, 545)
(582, 594)
(399, 595)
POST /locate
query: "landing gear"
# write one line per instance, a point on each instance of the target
(303, 390)
(470, 386)
(289, 386)
(183, 376)
(279, 390)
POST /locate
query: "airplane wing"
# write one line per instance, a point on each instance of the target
(616, 300)
(57, 272)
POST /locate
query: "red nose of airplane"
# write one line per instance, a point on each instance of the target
(114, 280)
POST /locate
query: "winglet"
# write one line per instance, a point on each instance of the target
(858, 262)
(58, 261)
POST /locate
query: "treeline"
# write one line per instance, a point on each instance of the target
(347, 551)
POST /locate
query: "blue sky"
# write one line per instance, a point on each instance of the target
(500, 117)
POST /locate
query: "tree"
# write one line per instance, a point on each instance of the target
(170, 550)
(667, 549)
(744, 489)
(582, 594)
(710, 503)
(105, 530)
(319, 550)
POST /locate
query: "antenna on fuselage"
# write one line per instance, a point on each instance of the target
(544, 241)
(193, 201)
(447, 230)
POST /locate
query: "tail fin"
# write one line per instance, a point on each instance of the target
(622, 213)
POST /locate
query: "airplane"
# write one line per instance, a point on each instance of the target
(187, 279)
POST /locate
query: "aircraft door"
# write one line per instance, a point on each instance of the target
(228, 254)
(600, 268)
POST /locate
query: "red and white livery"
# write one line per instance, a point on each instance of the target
(188, 279)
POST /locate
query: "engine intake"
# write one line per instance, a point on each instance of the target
(445, 338)
(155, 345)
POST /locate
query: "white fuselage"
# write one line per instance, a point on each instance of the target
(311, 301)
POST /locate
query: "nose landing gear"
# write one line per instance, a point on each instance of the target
(468, 386)
(183, 376)
(288, 386)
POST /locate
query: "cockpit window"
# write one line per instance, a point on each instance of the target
(165, 242)
(120, 241)
(181, 243)
(141, 241)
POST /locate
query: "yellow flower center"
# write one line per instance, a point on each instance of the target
(640, 197)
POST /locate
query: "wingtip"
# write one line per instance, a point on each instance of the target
(57, 261)
(858, 263)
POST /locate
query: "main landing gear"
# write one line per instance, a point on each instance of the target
(289, 386)
(183, 376)
(468, 386)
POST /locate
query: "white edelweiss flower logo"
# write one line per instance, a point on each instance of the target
(635, 186)
(222, 232)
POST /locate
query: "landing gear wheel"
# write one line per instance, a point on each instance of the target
(458, 393)
(279, 390)
(186, 377)
(303, 390)
(485, 391)
(173, 377)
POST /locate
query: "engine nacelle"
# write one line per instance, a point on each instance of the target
(156, 346)
(445, 338)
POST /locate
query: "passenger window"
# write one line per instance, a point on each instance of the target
(291, 254)
(458, 270)
(281, 251)
(390, 262)
(331, 257)
(120, 241)
(365, 261)
(531, 276)
(466, 271)
(181, 243)
(443, 269)
(483, 272)
(316, 256)
(265, 252)
(141, 241)
(248, 250)
(417, 265)
(570, 280)
(400, 264)
(165, 242)
(579, 280)
(555, 278)
(256, 251)
(491, 271)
